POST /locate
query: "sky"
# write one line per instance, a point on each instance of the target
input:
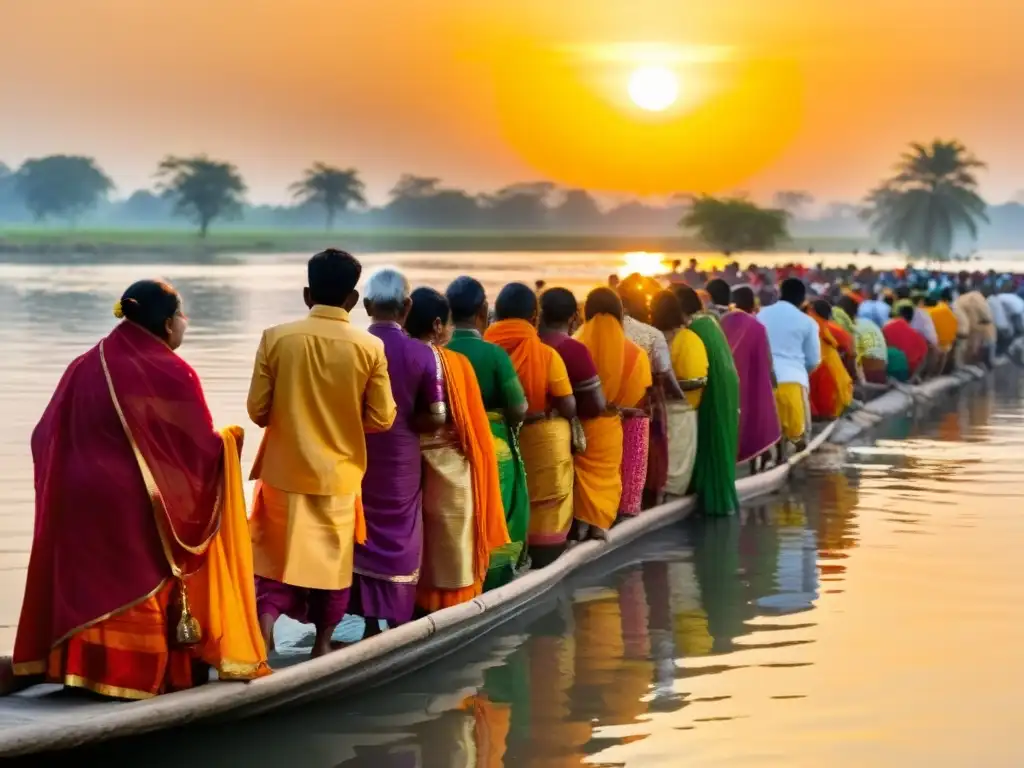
(817, 95)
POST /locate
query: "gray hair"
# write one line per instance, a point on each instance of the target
(387, 287)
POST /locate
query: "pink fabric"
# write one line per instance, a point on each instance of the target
(635, 434)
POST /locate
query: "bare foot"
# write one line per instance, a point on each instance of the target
(597, 534)
(267, 629)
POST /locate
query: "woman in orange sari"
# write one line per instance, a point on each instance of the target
(831, 383)
(463, 512)
(625, 374)
(140, 575)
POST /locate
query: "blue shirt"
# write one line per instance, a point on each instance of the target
(878, 312)
(796, 349)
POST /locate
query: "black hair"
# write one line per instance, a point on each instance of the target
(332, 275)
(465, 297)
(902, 292)
(688, 299)
(906, 311)
(666, 311)
(603, 301)
(150, 304)
(634, 298)
(947, 295)
(848, 305)
(743, 298)
(822, 309)
(428, 305)
(793, 290)
(558, 306)
(931, 301)
(516, 301)
(719, 292)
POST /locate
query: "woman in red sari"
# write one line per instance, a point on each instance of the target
(140, 574)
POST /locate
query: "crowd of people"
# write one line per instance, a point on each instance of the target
(412, 466)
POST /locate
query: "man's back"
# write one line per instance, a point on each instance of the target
(793, 337)
(317, 386)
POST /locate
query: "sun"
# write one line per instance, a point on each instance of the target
(653, 88)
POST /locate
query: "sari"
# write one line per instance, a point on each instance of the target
(714, 472)
(625, 374)
(759, 427)
(831, 385)
(140, 521)
(463, 516)
(689, 364)
(546, 443)
(501, 390)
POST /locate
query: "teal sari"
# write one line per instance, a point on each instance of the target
(516, 500)
(718, 424)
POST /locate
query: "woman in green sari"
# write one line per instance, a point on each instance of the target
(506, 406)
(718, 415)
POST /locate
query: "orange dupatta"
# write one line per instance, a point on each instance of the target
(531, 357)
(474, 430)
(623, 366)
(831, 384)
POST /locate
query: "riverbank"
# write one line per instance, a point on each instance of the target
(35, 721)
(74, 246)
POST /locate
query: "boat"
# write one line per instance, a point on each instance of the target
(40, 720)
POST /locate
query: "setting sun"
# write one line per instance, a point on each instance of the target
(653, 88)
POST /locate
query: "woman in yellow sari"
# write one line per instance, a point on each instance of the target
(831, 383)
(141, 567)
(545, 440)
(463, 513)
(625, 374)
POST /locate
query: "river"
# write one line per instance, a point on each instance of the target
(866, 615)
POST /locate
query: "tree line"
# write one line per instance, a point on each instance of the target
(930, 200)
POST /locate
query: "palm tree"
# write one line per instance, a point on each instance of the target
(333, 188)
(932, 196)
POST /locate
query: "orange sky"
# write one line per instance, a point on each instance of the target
(811, 94)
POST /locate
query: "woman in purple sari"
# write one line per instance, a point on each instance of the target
(387, 566)
(759, 420)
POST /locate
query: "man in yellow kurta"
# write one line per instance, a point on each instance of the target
(318, 386)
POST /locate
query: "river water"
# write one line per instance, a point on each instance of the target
(866, 615)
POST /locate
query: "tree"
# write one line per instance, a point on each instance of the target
(64, 186)
(792, 201)
(201, 188)
(930, 199)
(578, 211)
(331, 188)
(733, 224)
(421, 201)
(518, 206)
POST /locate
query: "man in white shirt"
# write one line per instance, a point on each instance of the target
(1013, 305)
(1004, 329)
(796, 351)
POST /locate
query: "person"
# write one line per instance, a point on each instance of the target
(831, 386)
(946, 328)
(646, 439)
(625, 375)
(1001, 320)
(721, 296)
(546, 438)
(871, 351)
(318, 385)
(690, 367)
(796, 351)
(901, 336)
(386, 567)
(1013, 305)
(714, 472)
(559, 314)
(980, 326)
(463, 513)
(759, 429)
(506, 407)
(140, 572)
(876, 310)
